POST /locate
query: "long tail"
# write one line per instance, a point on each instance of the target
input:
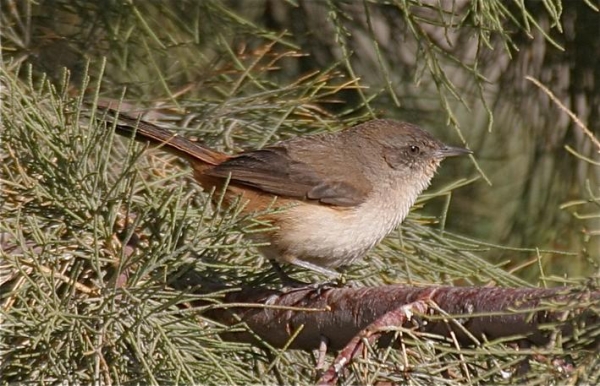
(164, 139)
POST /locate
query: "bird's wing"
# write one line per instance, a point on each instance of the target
(274, 171)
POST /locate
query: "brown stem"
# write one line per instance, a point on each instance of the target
(468, 313)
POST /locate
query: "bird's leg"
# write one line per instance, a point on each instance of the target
(338, 280)
(286, 279)
(313, 267)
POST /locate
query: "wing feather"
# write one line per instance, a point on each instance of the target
(272, 170)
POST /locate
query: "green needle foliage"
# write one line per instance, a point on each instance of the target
(100, 235)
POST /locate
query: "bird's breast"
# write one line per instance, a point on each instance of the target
(331, 237)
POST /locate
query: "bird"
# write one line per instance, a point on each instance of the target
(340, 192)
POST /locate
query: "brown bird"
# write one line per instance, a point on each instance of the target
(342, 192)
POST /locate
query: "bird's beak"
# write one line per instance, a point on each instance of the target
(451, 151)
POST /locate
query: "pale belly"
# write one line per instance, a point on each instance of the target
(330, 237)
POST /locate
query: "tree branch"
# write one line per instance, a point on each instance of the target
(339, 314)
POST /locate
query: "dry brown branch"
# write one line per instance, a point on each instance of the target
(348, 319)
(339, 314)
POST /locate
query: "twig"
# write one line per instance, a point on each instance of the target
(566, 110)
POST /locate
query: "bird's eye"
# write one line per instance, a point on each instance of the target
(414, 150)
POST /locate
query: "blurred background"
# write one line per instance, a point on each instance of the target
(457, 68)
(111, 255)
